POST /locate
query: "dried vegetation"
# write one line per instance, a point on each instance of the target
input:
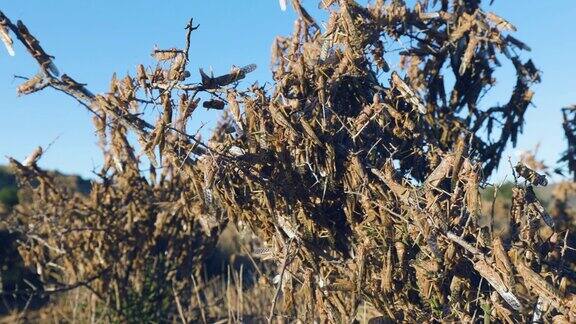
(360, 179)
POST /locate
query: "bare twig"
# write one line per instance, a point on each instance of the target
(279, 287)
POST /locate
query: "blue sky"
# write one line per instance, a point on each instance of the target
(93, 39)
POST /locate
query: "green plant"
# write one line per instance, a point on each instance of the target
(9, 196)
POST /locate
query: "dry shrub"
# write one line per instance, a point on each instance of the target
(364, 191)
(362, 184)
(131, 242)
(138, 238)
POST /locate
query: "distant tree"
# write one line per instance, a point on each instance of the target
(9, 196)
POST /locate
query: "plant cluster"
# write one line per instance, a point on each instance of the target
(361, 180)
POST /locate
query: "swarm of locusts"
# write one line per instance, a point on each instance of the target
(359, 176)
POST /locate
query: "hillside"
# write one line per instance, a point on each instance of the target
(9, 196)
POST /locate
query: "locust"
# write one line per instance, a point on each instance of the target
(407, 93)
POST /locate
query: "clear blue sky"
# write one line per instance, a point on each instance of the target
(93, 39)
